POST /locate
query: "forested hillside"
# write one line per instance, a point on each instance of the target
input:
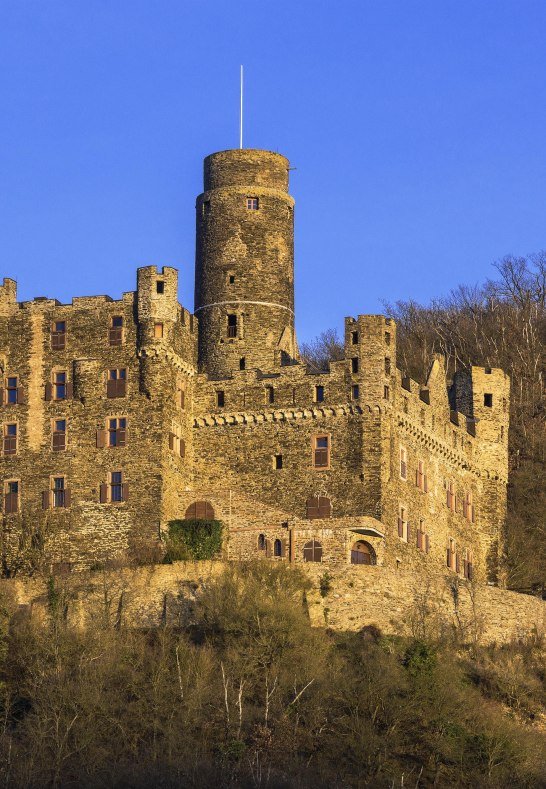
(250, 695)
(501, 323)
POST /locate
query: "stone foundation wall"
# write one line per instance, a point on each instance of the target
(354, 597)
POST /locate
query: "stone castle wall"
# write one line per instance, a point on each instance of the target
(355, 597)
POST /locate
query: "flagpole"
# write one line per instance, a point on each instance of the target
(241, 114)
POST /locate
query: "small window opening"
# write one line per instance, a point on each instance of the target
(253, 203)
(205, 208)
(488, 370)
(160, 286)
(319, 394)
(232, 325)
(231, 279)
(354, 364)
(242, 363)
(355, 392)
(158, 331)
(278, 462)
(277, 548)
(386, 392)
(387, 365)
(354, 338)
(269, 394)
(387, 338)
(488, 400)
(220, 398)
(261, 542)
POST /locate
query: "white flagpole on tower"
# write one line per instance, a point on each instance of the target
(241, 114)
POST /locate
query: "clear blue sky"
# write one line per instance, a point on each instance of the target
(417, 127)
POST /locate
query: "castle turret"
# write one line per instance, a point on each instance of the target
(244, 278)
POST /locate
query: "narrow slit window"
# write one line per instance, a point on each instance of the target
(354, 337)
(220, 398)
(278, 462)
(269, 394)
(319, 394)
(242, 363)
(355, 392)
(354, 364)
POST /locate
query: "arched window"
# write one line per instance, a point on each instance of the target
(200, 510)
(319, 507)
(277, 548)
(261, 542)
(312, 551)
(362, 553)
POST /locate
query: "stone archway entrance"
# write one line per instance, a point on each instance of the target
(362, 553)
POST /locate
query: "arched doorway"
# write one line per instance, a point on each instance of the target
(312, 551)
(362, 553)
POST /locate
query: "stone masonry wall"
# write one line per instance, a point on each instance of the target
(395, 601)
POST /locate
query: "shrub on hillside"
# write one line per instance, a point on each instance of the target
(193, 539)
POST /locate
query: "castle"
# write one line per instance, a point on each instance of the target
(119, 416)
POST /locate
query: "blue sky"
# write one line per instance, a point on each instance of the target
(417, 129)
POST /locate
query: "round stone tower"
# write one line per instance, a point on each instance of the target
(244, 273)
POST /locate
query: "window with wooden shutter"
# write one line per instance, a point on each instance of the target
(420, 476)
(117, 487)
(200, 510)
(321, 451)
(451, 553)
(10, 439)
(46, 499)
(450, 495)
(58, 336)
(60, 385)
(181, 447)
(103, 493)
(115, 332)
(402, 523)
(59, 435)
(319, 507)
(403, 463)
(58, 492)
(12, 389)
(11, 497)
(116, 383)
(312, 551)
(116, 432)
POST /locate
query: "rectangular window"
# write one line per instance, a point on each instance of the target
(11, 390)
(387, 365)
(354, 337)
(220, 398)
(58, 336)
(11, 496)
(278, 462)
(116, 383)
(403, 464)
(451, 557)
(181, 397)
(354, 364)
(232, 326)
(158, 331)
(355, 391)
(58, 492)
(59, 435)
(386, 392)
(387, 338)
(253, 203)
(205, 208)
(420, 477)
(116, 486)
(468, 506)
(59, 386)
(403, 524)
(319, 394)
(450, 495)
(242, 363)
(488, 400)
(117, 431)
(10, 439)
(269, 394)
(160, 286)
(321, 451)
(115, 332)
(231, 279)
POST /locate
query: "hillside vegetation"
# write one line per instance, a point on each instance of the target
(499, 324)
(252, 696)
